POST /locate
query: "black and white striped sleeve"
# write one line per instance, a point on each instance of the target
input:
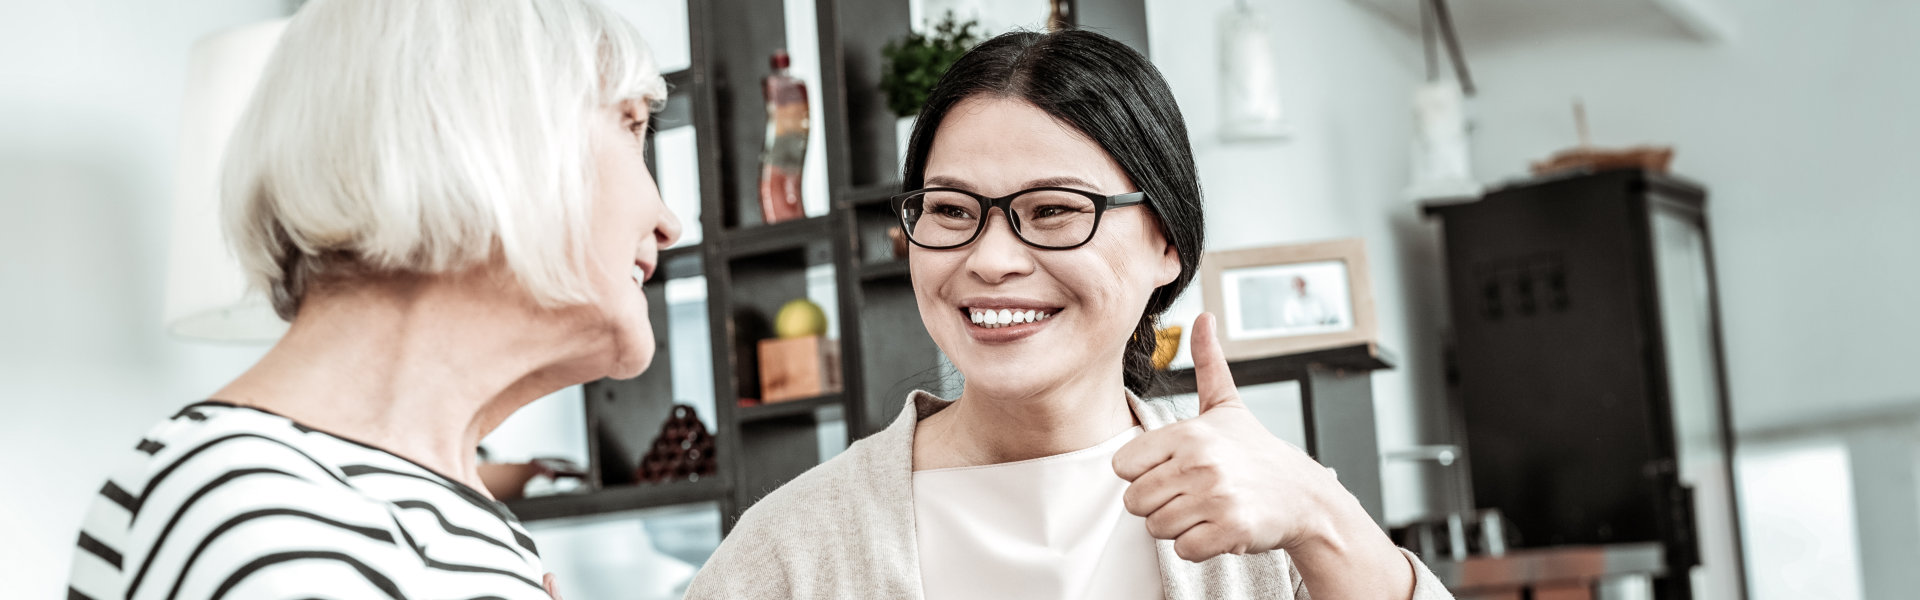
(238, 516)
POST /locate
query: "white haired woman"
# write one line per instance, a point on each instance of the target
(448, 201)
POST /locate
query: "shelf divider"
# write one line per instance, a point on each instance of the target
(620, 499)
(804, 407)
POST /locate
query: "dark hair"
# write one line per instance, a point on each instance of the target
(1112, 94)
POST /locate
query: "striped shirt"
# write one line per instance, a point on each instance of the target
(222, 501)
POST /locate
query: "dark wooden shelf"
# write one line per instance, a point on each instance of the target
(1287, 367)
(893, 269)
(870, 195)
(674, 263)
(786, 235)
(619, 499)
(679, 80)
(804, 407)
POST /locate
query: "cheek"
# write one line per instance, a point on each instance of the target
(1102, 277)
(933, 270)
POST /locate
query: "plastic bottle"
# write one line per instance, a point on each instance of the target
(786, 147)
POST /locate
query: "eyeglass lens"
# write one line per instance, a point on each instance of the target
(1046, 218)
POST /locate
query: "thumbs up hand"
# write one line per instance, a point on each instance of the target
(1220, 483)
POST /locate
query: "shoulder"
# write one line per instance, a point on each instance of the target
(212, 496)
(873, 476)
(784, 539)
(842, 527)
(226, 500)
(843, 486)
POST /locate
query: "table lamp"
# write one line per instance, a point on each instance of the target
(207, 296)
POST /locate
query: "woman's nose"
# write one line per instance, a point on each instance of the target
(669, 229)
(999, 254)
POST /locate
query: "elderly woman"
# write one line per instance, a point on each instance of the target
(1055, 214)
(448, 201)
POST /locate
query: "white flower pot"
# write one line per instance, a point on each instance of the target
(902, 132)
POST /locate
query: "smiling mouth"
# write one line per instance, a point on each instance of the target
(990, 318)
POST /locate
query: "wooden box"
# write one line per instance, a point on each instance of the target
(795, 368)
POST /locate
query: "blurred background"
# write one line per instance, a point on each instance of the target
(1792, 141)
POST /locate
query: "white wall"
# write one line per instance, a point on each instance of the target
(1801, 126)
(1347, 77)
(1803, 129)
(91, 94)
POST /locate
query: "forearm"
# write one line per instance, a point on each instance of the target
(1353, 560)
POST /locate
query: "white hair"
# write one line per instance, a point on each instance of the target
(423, 136)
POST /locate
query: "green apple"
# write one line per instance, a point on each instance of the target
(800, 318)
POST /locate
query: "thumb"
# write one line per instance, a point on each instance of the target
(1211, 377)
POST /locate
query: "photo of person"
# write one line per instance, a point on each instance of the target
(1287, 300)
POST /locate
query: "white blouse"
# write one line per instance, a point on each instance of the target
(1052, 527)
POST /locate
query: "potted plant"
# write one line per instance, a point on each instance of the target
(912, 65)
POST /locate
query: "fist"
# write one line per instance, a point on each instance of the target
(1220, 483)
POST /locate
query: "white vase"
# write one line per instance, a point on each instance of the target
(902, 133)
(1250, 99)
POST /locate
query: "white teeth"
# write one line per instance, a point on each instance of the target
(1002, 317)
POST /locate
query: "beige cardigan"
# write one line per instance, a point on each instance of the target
(844, 529)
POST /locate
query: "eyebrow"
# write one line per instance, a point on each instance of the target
(1057, 181)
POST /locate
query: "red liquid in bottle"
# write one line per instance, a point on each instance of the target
(786, 148)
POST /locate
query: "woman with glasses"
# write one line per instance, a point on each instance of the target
(1055, 213)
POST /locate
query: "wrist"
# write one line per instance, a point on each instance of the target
(1342, 532)
(1348, 555)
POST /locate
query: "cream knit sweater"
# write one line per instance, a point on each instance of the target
(845, 529)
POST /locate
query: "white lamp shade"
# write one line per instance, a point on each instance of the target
(207, 295)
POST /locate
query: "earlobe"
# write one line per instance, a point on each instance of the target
(1169, 266)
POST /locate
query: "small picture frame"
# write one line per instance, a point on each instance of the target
(1289, 299)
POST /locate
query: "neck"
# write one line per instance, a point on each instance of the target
(423, 368)
(988, 426)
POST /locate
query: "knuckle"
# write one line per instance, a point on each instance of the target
(1157, 527)
(1201, 466)
(1186, 551)
(1193, 433)
(1132, 501)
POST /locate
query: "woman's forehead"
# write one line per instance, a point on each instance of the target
(1001, 145)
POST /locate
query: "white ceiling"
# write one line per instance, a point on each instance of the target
(1487, 23)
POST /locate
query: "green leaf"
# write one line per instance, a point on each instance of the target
(912, 65)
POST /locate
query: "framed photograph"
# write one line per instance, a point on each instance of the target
(1288, 299)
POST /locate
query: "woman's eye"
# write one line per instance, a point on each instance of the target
(952, 212)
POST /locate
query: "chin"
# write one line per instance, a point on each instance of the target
(989, 376)
(629, 367)
(633, 351)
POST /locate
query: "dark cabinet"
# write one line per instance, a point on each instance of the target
(1590, 382)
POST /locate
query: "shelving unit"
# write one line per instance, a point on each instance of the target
(752, 268)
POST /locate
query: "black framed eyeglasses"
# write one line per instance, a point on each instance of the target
(1051, 218)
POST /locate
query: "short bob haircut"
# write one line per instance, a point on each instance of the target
(424, 136)
(1113, 95)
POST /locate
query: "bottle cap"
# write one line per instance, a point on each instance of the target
(780, 59)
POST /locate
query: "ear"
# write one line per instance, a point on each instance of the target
(1169, 265)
